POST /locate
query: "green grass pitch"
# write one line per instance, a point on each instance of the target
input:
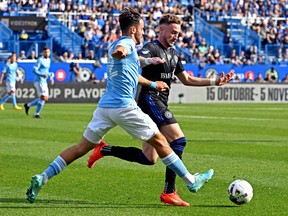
(240, 141)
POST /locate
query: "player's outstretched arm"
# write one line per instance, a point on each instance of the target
(148, 61)
(223, 79)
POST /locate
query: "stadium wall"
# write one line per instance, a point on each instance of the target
(230, 93)
(62, 71)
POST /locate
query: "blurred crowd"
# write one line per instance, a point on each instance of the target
(97, 22)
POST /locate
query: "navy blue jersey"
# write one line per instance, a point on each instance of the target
(152, 102)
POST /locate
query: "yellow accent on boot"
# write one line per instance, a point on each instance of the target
(2, 107)
(17, 108)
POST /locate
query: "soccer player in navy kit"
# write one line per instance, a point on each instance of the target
(118, 107)
(155, 104)
(10, 71)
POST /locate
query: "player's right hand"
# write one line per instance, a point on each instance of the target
(161, 86)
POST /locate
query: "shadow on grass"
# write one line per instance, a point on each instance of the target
(76, 203)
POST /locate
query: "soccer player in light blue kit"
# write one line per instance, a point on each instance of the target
(41, 71)
(118, 107)
(10, 71)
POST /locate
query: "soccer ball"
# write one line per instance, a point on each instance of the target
(240, 192)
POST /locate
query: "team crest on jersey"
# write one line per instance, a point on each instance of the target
(175, 58)
(168, 115)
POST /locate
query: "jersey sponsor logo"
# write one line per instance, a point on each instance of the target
(168, 115)
(166, 75)
(145, 51)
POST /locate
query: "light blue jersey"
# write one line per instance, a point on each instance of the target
(122, 76)
(10, 70)
(41, 68)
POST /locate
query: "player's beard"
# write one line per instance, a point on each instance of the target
(138, 40)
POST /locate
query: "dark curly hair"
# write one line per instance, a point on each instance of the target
(128, 17)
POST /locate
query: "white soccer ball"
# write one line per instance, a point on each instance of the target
(240, 192)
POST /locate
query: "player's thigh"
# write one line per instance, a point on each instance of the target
(138, 124)
(10, 87)
(156, 109)
(99, 125)
(41, 88)
(171, 132)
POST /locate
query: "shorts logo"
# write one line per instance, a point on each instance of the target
(168, 115)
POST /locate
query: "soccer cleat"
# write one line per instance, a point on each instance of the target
(2, 107)
(36, 116)
(173, 199)
(26, 108)
(96, 154)
(17, 108)
(201, 179)
(35, 187)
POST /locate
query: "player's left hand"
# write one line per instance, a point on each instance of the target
(52, 81)
(223, 79)
(161, 86)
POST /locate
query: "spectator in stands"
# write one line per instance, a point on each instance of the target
(32, 55)
(88, 34)
(91, 55)
(22, 55)
(183, 58)
(227, 39)
(236, 79)
(209, 56)
(75, 72)
(198, 39)
(236, 61)
(94, 79)
(71, 55)
(104, 58)
(232, 55)
(283, 61)
(251, 54)
(80, 56)
(261, 60)
(81, 29)
(203, 47)
(200, 60)
(259, 78)
(219, 60)
(64, 57)
(271, 75)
